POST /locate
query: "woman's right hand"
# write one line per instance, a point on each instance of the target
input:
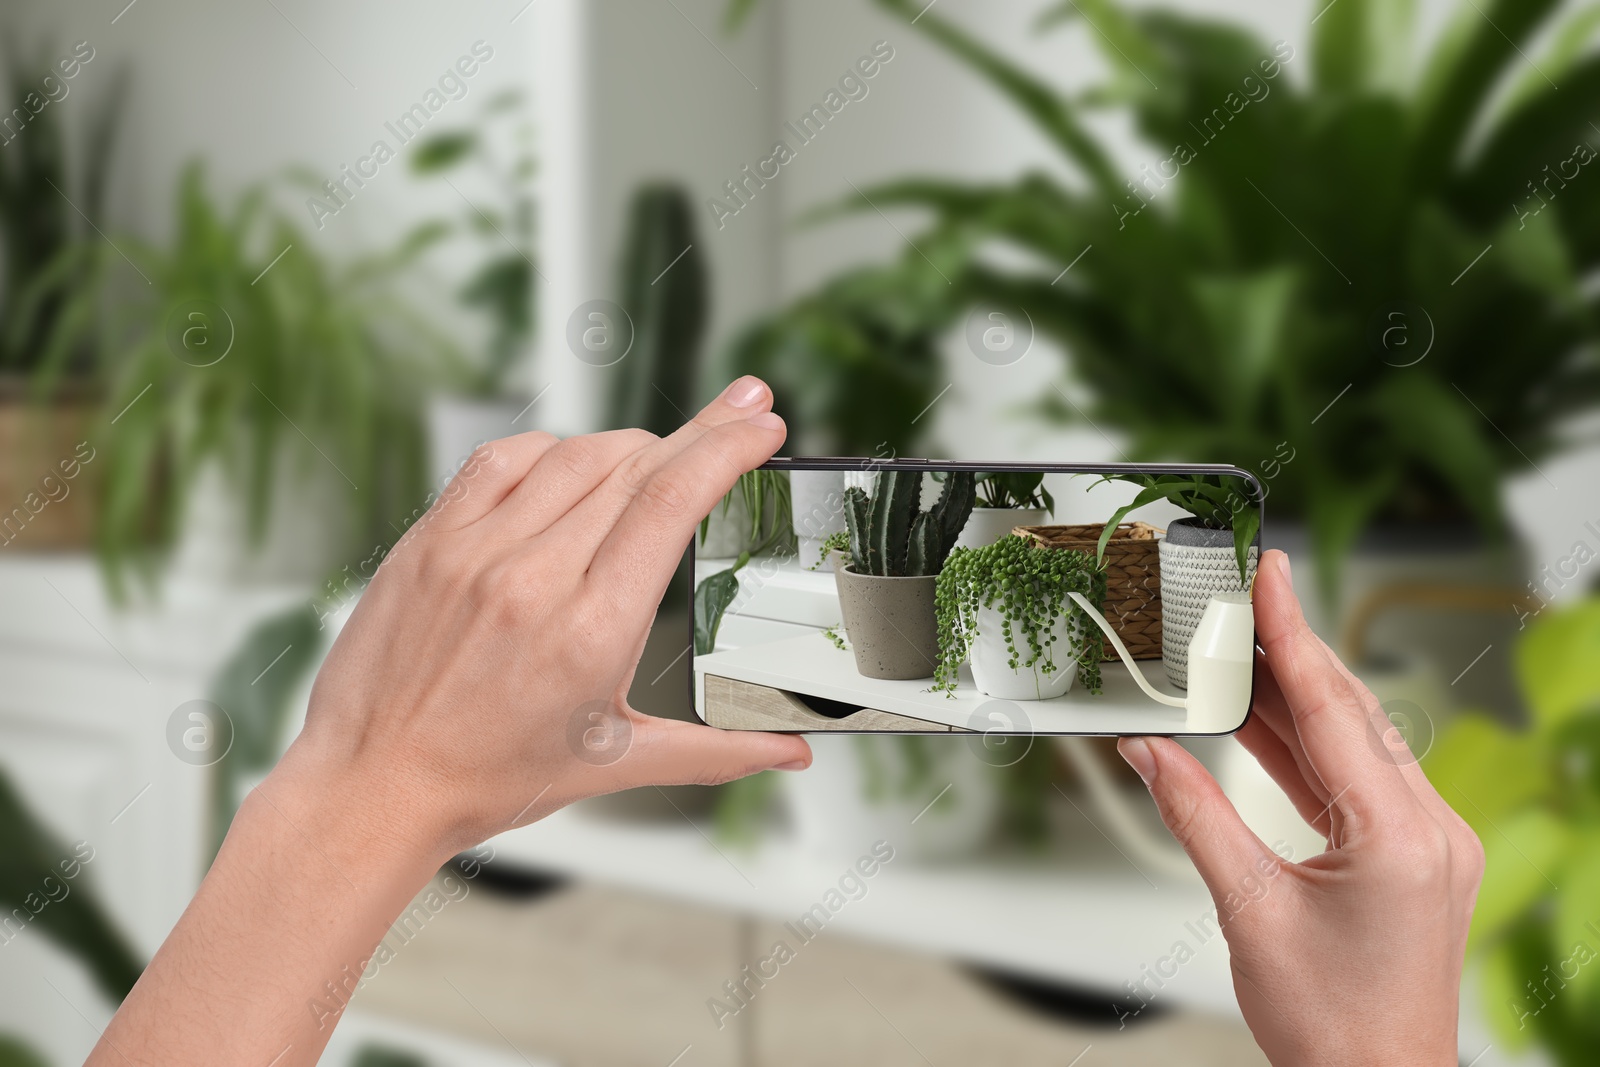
(1354, 955)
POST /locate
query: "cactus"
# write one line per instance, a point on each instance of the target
(663, 288)
(890, 536)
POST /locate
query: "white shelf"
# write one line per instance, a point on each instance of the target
(813, 665)
(1084, 915)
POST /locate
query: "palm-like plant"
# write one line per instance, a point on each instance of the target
(1247, 303)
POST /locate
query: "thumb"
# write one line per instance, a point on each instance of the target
(671, 752)
(1224, 850)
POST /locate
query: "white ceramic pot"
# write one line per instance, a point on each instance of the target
(459, 424)
(834, 818)
(1196, 564)
(993, 674)
(306, 536)
(817, 503)
(988, 525)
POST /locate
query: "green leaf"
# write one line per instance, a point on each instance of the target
(1486, 772)
(1502, 978)
(711, 600)
(443, 151)
(1576, 921)
(62, 909)
(1247, 317)
(1524, 860)
(13, 1053)
(1558, 663)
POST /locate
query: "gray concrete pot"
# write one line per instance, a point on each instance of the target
(890, 622)
(1196, 564)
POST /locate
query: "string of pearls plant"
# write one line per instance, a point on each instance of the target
(1028, 586)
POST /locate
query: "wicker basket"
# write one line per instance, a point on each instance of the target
(1133, 578)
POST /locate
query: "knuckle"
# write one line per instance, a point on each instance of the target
(668, 492)
(577, 457)
(508, 595)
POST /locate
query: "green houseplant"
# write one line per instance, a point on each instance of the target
(1533, 797)
(257, 364)
(52, 271)
(1006, 605)
(1232, 271)
(896, 552)
(1006, 500)
(1212, 550)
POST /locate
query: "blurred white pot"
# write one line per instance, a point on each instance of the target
(834, 818)
(307, 527)
(817, 503)
(459, 424)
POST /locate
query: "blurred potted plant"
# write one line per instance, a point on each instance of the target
(886, 592)
(1235, 274)
(482, 406)
(853, 365)
(51, 268)
(1533, 797)
(1006, 605)
(1214, 550)
(1006, 500)
(266, 426)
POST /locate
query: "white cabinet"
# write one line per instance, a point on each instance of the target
(86, 693)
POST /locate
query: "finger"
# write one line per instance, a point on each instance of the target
(1224, 850)
(670, 752)
(1330, 719)
(593, 517)
(1269, 707)
(566, 474)
(493, 470)
(649, 538)
(1393, 746)
(1279, 763)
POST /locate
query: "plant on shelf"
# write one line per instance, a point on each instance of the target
(1215, 501)
(891, 537)
(503, 286)
(753, 518)
(853, 365)
(1014, 489)
(256, 361)
(896, 552)
(663, 284)
(1203, 324)
(1006, 500)
(1213, 550)
(51, 259)
(1533, 797)
(1007, 605)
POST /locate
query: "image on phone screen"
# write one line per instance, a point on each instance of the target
(917, 596)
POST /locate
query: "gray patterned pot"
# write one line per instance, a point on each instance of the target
(1196, 563)
(890, 622)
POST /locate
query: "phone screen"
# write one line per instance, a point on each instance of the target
(921, 596)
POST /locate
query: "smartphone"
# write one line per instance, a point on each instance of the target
(849, 595)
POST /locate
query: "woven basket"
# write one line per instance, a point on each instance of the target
(1133, 578)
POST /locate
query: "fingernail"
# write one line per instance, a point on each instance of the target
(766, 420)
(792, 765)
(1136, 750)
(744, 392)
(1283, 565)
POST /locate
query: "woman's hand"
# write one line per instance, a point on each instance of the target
(479, 685)
(481, 682)
(1353, 955)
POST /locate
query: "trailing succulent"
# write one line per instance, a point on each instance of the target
(890, 536)
(1028, 585)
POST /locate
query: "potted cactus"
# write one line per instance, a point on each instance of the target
(896, 552)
